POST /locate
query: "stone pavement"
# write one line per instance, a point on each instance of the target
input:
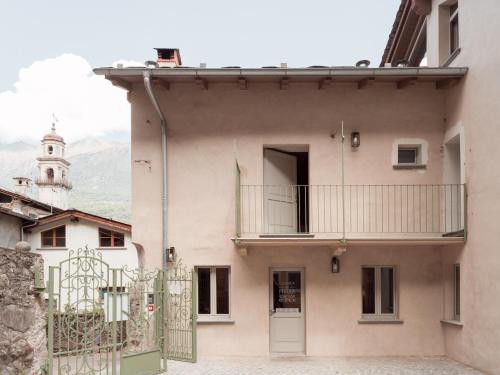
(321, 366)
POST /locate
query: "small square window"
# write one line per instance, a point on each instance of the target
(407, 155)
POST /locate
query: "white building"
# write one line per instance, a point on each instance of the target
(49, 226)
(54, 235)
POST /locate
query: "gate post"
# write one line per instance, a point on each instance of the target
(50, 323)
(194, 313)
(164, 317)
(113, 327)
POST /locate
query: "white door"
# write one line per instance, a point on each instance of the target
(286, 322)
(280, 192)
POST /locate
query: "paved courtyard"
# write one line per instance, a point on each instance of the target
(320, 366)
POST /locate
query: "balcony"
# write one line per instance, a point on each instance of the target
(47, 181)
(330, 214)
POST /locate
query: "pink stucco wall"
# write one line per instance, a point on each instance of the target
(474, 106)
(209, 129)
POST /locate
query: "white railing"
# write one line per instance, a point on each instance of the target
(54, 181)
(429, 210)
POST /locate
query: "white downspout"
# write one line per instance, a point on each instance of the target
(163, 126)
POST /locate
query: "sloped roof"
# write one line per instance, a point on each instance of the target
(80, 215)
(392, 34)
(30, 201)
(8, 212)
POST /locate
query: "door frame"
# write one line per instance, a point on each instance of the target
(302, 270)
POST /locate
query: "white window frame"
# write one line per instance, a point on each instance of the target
(453, 17)
(378, 315)
(410, 143)
(213, 316)
(456, 314)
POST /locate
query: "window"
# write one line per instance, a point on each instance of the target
(109, 289)
(456, 292)
(108, 238)
(410, 153)
(213, 291)
(453, 28)
(407, 155)
(418, 55)
(55, 237)
(50, 173)
(378, 293)
(50, 150)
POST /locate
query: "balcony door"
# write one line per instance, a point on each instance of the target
(280, 192)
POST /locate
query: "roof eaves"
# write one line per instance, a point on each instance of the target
(289, 72)
(34, 202)
(392, 34)
(16, 214)
(85, 216)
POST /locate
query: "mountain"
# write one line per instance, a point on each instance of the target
(99, 171)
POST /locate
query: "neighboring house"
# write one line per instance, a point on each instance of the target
(18, 210)
(11, 224)
(49, 226)
(386, 245)
(54, 235)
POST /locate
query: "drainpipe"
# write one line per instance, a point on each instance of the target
(343, 188)
(27, 226)
(163, 126)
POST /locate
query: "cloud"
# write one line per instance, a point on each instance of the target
(85, 104)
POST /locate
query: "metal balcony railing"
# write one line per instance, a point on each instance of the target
(64, 182)
(353, 211)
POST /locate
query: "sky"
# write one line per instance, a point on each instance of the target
(48, 50)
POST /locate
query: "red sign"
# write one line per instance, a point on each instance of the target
(151, 307)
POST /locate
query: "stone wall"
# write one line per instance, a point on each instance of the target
(23, 346)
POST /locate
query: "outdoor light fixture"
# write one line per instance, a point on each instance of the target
(335, 265)
(355, 139)
(171, 254)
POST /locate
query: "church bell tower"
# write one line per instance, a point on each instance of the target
(53, 181)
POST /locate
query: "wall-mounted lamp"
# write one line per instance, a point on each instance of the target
(355, 139)
(171, 255)
(335, 265)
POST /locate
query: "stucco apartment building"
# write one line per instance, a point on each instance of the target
(332, 210)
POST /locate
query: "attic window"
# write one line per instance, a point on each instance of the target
(109, 238)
